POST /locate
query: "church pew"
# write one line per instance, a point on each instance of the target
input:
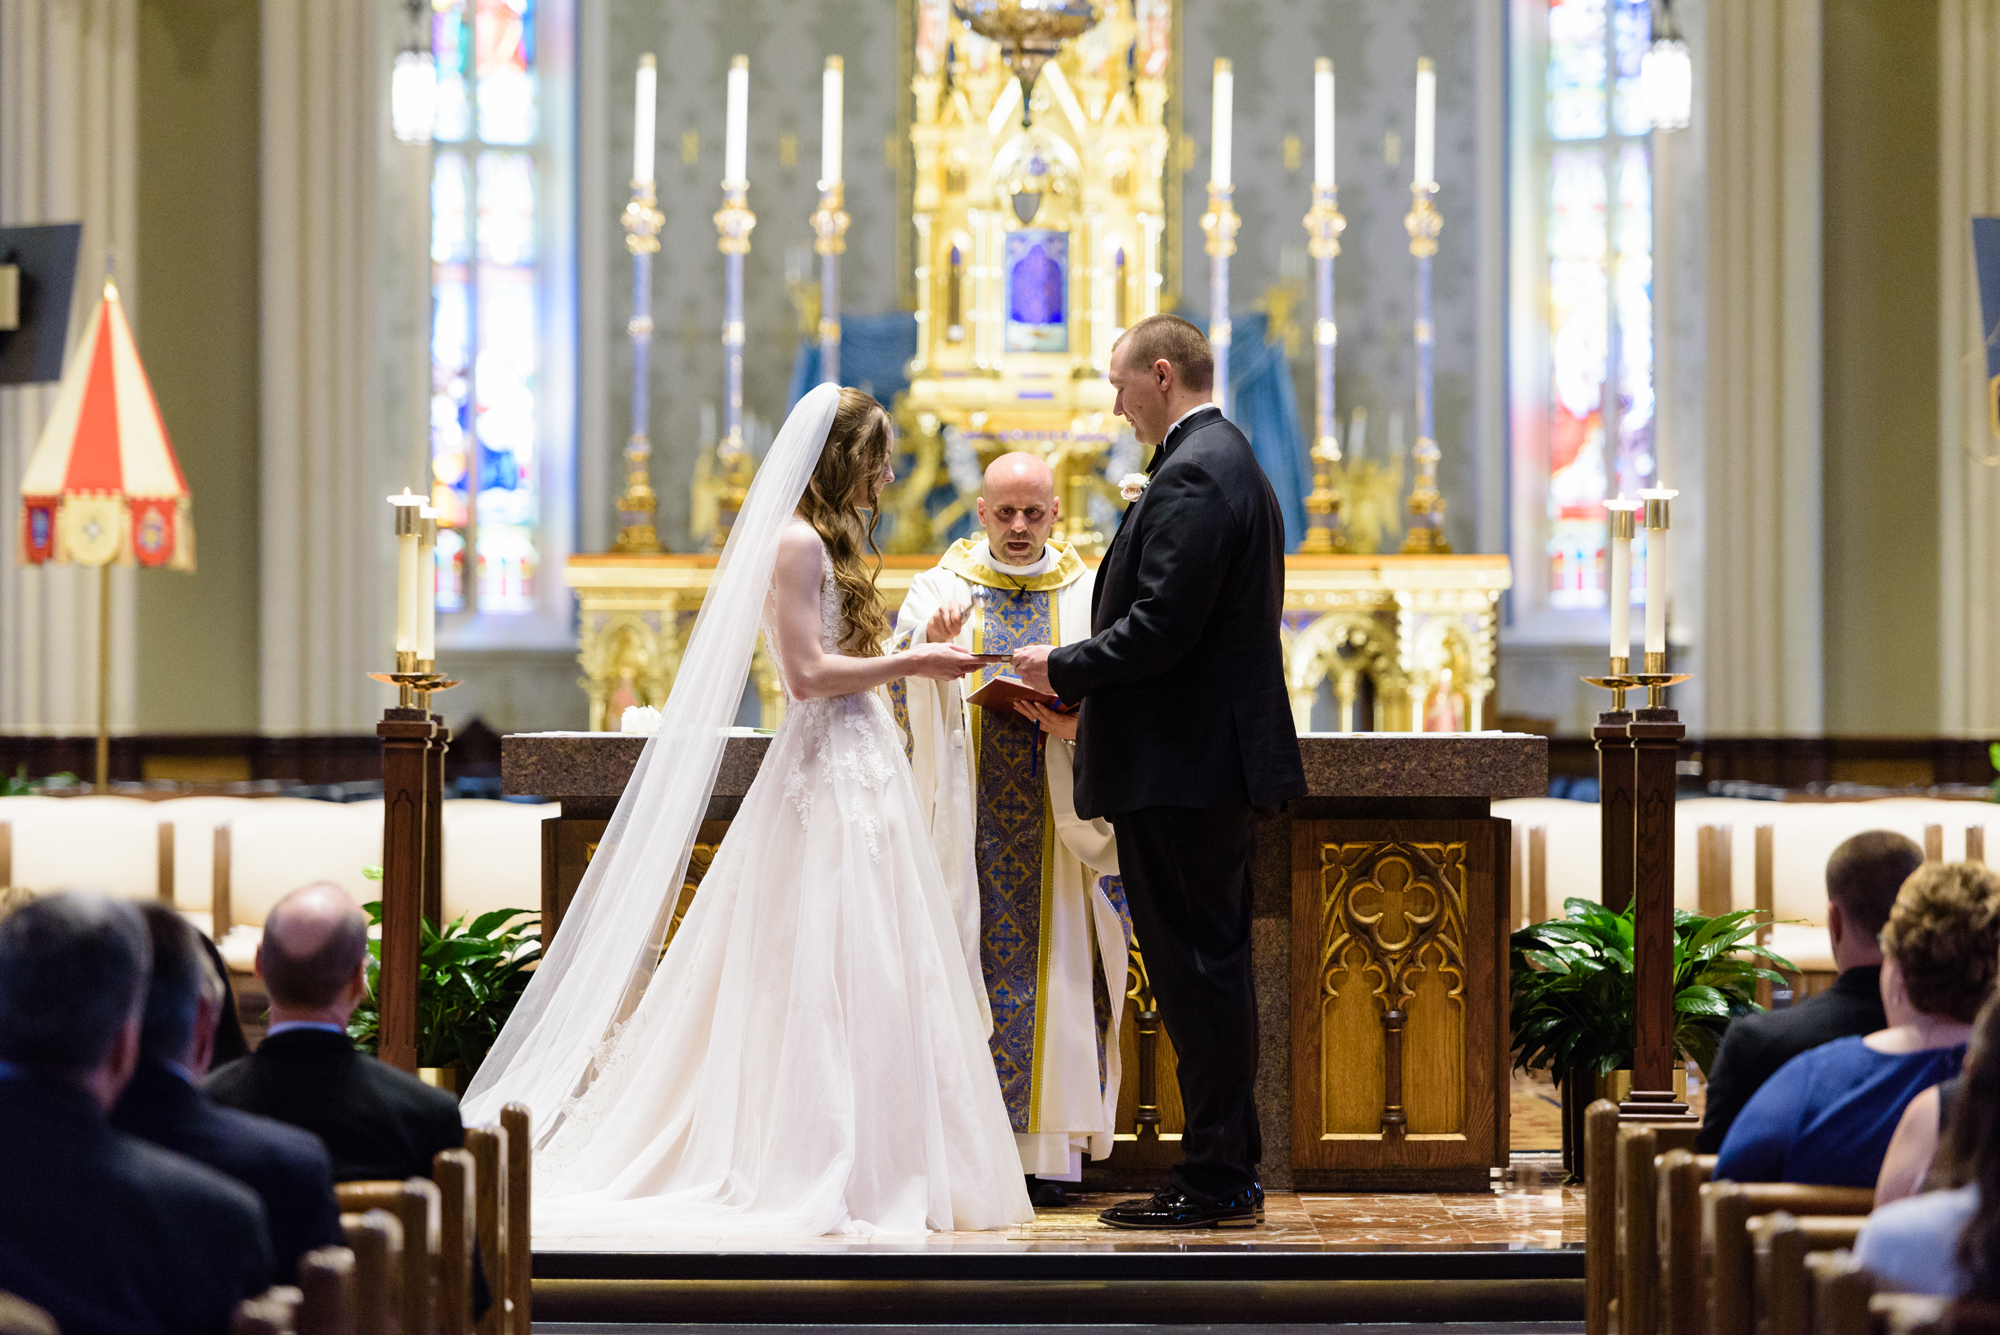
(1682, 1309)
(519, 1281)
(1841, 1288)
(418, 1207)
(1727, 1209)
(272, 1312)
(1638, 1194)
(488, 1147)
(376, 1239)
(1600, 1217)
(456, 1175)
(1783, 1284)
(326, 1283)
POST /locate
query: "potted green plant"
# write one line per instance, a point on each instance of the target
(468, 979)
(1574, 995)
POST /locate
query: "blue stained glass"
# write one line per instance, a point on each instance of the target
(505, 42)
(1632, 33)
(451, 238)
(1577, 69)
(451, 48)
(506, 208)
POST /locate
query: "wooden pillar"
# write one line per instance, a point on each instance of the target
(6, 854)
(406, 738)
(1716, 869)
(221, 908)
(1538, 873)
(166, 863)
(1656, 739)
(1933, 843)
(1975, 845)
(1615, 797)
(434, 822)
(1767, 899)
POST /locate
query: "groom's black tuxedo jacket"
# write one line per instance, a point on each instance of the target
(1183, 682)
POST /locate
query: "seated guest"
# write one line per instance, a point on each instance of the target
(1827, 1115)
(376, 1121)
(229, 1040)
(1947, 1242)
(288, 1168)
(1862, 878)
(104, 1231)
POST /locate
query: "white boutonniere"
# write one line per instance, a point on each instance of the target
(1133, 485)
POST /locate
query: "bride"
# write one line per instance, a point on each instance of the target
(810, 1053)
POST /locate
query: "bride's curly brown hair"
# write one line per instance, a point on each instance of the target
(845, 484)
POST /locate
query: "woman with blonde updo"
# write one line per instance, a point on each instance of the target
(1828, 1115)
(809, 1055)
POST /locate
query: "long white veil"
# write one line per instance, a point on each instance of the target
(598, 966)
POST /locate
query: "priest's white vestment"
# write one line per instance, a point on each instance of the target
(1054, 932)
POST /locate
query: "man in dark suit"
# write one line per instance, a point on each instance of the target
(1862, 879)
(289, 1169)
(1186, 728)
(106, 1232)
(376, 1121)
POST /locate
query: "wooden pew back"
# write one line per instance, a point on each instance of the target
(1681, 1172)
(1782, 1241)
(1727, 1209)
(418, 1207)
(376, 1239)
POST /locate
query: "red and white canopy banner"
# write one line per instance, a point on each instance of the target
(103, 484)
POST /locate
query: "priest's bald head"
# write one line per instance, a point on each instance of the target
(313, 958)
(1018, 507)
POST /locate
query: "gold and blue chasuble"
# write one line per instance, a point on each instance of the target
(1052, 931)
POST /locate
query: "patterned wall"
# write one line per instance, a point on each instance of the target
(1374, 44)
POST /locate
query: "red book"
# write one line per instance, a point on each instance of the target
(1004, 689)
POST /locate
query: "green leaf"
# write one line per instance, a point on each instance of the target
(371, 871)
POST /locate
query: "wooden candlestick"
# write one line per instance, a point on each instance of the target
(406, 741)
(1656, 739)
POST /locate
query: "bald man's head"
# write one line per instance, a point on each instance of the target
(314, 942)
(1018, 507)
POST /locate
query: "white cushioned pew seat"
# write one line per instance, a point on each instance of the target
(492, 852)
(1804, 835)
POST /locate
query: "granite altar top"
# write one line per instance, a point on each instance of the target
(1362, 764)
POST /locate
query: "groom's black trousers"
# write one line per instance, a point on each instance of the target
(1187, 880)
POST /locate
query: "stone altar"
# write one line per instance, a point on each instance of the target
(1380, 938)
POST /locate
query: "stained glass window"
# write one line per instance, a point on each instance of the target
(486, 316)
(1599, 230)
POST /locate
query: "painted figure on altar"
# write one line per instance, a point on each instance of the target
(996, 782)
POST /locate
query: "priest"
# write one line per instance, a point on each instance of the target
(995, 779)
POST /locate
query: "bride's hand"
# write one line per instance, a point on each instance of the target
(945, 623)
(939, 662)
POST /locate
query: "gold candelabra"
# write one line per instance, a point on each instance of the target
(1325, 533)
(638, 506)
(733, 223)
(1426, 533)
(1221, 223)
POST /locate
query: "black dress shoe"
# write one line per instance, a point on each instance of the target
(1046, 1195)
(1174, 1208)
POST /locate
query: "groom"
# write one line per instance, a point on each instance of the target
(1186, 727)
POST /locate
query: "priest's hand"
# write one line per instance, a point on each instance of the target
(1054, 723)
(938, 662)
(1031, 665)
(945, 623)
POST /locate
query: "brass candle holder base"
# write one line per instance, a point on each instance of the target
(416, 680)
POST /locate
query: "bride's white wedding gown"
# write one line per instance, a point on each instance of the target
(811, 1055)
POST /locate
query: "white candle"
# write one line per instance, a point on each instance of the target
(1619, 595)
(736, 144)
(829, 122)
(1427, 91)
(427, 535)
(407, 506)
(644, 101)
(1656, 567)
(1218, 140)
(1323, 124)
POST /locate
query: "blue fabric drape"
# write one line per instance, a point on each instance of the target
(1265, 408)
(875, 352)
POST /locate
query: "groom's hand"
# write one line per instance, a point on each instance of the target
(1031, 665)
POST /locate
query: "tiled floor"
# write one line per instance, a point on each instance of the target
(1552, 1217)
